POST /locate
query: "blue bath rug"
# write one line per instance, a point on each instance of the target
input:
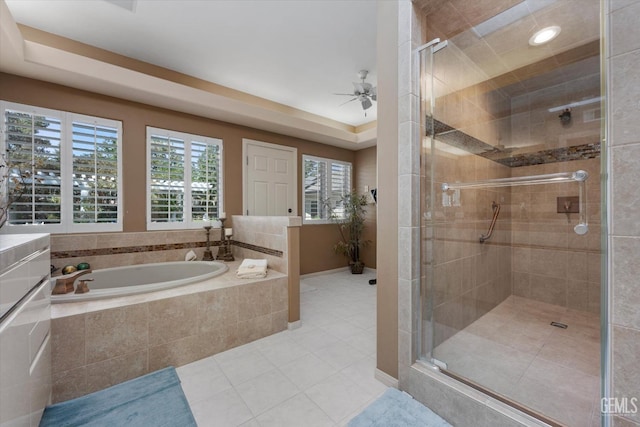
(155, 399)
(397, 409)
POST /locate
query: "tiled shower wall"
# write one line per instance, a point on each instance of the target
(470, 278)
(623, 154)
(551, 263)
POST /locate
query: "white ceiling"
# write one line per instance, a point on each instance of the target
(293, 52)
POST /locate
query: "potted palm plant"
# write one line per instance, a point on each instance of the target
(351, 226)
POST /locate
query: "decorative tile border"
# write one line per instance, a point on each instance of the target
(260, 249)
(83, 253)
(562, 154)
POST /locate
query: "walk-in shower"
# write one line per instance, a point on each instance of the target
(510, 206)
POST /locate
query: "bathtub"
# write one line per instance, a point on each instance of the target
(143, 278)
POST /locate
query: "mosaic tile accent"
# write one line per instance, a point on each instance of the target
(260, 249)
(130, 249)
(153, 248)
(562, 154)
(461, 140)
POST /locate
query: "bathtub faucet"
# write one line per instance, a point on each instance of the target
(64, 284)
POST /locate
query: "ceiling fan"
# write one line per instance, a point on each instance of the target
(363, 92)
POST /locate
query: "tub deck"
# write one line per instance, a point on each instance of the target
(225, 280)
(97, 344)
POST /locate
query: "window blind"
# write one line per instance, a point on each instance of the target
(205, 178)
(167, 178)
(326, 181)
(32, 144)
(95, 173)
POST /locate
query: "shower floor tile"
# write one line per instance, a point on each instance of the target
(321, 374)
(514, 351)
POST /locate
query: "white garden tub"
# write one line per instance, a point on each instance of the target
(143, 278)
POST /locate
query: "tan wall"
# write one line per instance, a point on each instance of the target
(316, 257)
(366, 175)
(387, 224)
(135, 117)
(318, 254)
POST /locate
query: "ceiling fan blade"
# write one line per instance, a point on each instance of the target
(348, 101)
(366, 103)
(345, 94)
(359, 88)
(374, 93)
(367, 87)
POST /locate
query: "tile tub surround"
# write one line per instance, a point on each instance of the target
(97, 344)
(104, 250)
(268, 232)
(276, 239)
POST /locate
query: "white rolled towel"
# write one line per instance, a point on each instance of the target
(252, 269)
(190, 256)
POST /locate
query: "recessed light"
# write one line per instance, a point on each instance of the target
(545, 35)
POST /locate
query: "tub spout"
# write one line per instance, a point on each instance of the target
(64, 284)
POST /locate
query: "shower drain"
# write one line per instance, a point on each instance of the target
(559, 325)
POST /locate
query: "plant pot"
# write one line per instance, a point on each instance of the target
(357, 267)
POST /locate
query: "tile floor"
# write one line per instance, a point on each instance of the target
(514, 351)
(321, 374)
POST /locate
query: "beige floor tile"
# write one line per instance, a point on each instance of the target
(514, 351)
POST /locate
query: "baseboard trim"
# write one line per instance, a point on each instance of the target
(322, 273)
(335, 270)
(385, 378)
(294, 325)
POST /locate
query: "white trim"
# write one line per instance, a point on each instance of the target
(294, 325)
(385, 378)
(322, 273)
(246, 142)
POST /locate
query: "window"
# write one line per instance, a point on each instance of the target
(185, 179)
(62, 170)
(325, 183)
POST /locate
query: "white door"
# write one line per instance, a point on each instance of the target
(270, 179)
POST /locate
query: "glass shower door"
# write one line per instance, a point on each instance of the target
(510, 218)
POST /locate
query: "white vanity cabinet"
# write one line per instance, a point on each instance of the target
(25, 320)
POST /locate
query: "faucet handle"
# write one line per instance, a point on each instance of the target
(64, 283)
(82, 287)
